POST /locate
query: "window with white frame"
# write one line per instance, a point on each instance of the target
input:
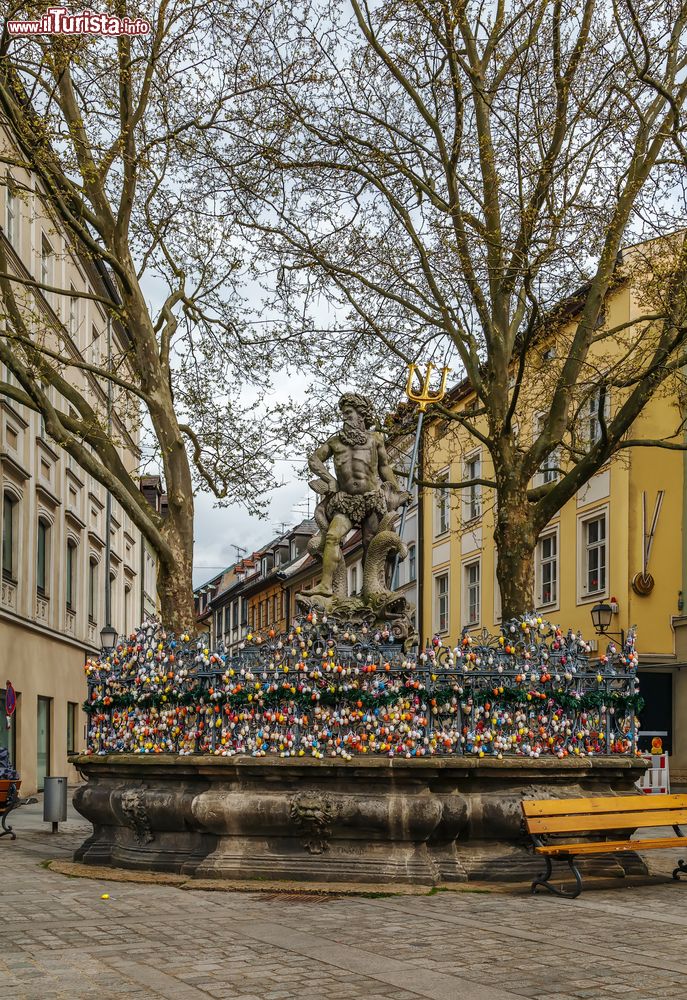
(443, 506)
(353, 581)
(598, 404)
(594, 554)
(471, 590)
(441, 602)
(94, 346)
(412, 563)
(546, 569)
(472, 495)
(47, 265)
(12, 213)
(73, 324)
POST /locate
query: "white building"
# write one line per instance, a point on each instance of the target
(53, 515)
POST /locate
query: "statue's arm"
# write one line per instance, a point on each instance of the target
(316, 464)
(386, 473)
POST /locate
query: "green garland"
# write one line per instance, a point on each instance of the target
(268, 700)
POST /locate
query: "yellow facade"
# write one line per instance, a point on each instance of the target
(612, 498)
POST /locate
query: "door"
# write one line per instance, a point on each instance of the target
(656, 718)
(8, 737)
(43, 742)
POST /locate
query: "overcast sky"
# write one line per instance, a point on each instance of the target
(217, 530)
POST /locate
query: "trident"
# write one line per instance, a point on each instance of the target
(423, 398)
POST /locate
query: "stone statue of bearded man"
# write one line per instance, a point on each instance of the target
(362, 490)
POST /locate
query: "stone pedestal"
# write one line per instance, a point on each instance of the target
(370, 820)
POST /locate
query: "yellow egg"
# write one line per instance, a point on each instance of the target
(105, 895)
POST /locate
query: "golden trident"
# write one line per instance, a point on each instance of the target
(425, 396)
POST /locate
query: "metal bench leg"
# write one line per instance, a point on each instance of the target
(680, 870)
(7, 830)
(545, 880)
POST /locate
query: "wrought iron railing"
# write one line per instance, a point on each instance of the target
(331, 690)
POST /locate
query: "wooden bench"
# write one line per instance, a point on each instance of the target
(9, 800)
(555, 824)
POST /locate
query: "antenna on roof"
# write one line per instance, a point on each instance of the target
(239, 550)
(282, 527)
(307, 501)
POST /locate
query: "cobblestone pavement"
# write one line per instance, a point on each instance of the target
(59, 939)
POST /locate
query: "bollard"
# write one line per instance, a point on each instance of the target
(55, 801)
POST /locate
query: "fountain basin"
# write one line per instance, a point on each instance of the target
(370, 820)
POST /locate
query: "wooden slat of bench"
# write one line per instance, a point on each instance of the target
(607, 821)
(609, 846)
(615, 803)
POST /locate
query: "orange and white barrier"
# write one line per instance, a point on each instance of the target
(656, 778)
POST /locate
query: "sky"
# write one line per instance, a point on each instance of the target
(217, 530)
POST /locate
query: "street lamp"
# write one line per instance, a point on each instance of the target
(601, 618)
(108, 637)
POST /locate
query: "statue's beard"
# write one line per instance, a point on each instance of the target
(353, 435)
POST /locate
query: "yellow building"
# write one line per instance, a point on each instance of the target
(590, 551)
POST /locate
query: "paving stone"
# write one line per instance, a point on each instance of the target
(60, 941)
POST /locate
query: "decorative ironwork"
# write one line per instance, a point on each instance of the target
(332, 688)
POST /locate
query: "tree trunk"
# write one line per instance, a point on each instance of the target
(515, 543)
(175, 578)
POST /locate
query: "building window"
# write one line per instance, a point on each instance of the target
(72, 726)
(12, 214)
(9, 528)
(93, 349)
(412, 563)
(441, 599)
(43, 556)
(471, 572)
(47, 266)
(548, 470)
(597, 403)
(127, 610)
(353, 581)
(443, 506)
(71, 574)
(73, 314)
(244, 611)
(8, 737)
(547, 569)
(472, 495)
(218, 625)
(497, 589)
(594, 554)
(275, 608)
(92, 590)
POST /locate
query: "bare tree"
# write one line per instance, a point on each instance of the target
(105, 133)
(459, 179)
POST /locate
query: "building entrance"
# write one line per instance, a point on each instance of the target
(656, 718)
